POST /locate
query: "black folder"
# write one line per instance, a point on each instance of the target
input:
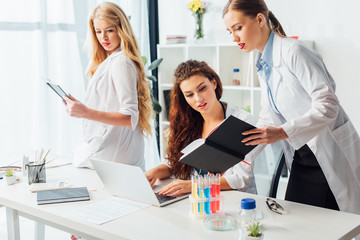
(222, 149)
(62, 195)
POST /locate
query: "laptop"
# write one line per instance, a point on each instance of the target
(129, 182)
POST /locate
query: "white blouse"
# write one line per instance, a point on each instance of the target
(113, 88)
(241, 175)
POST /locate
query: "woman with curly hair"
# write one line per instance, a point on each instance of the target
(117, 108)
(195, 110)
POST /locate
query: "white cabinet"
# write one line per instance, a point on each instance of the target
(223, 58)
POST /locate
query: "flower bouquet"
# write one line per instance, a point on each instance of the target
(198, 9)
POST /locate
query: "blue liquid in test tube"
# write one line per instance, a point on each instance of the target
(207, 185)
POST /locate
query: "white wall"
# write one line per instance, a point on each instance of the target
(332, 25)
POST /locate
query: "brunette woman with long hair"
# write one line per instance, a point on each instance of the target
(299, 107)
(195, 110)
(117, 107)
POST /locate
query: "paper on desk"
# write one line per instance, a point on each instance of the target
(55, 161)
(108, 210)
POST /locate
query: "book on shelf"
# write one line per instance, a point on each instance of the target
(63, 195)
(221, 150)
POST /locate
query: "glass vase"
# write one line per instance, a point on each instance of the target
(199, 31)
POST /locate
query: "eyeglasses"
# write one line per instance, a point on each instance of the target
(274, 206)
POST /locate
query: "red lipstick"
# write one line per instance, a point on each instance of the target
(201, 106)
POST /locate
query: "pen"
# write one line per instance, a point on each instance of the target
(43, 160)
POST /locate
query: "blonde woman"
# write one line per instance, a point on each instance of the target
(117, 107)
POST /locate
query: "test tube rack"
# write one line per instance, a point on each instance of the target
(205, 198)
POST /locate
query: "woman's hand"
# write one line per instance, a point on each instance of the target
(75, 108)
(152, 176)
(176, 188)
(264, 135)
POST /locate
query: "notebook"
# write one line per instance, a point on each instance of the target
(63, 195)
(221, 150)
(129, 182)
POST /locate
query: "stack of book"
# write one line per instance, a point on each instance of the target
(173, 39)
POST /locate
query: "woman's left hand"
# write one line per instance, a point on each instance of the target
(75, 108)
(264, 135)
(176, 188)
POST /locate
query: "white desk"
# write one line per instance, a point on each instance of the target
(170, 222)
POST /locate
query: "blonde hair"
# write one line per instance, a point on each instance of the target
(113, 14)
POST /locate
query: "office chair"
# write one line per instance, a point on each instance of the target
(280, 170)
(269, 166)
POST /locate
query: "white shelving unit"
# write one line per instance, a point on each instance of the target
(223, 58)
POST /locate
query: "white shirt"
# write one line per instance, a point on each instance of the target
(240, 176)
(113, 88)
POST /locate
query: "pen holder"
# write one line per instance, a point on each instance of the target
(202, 206)
(36, 172)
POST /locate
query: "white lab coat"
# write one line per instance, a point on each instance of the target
(304, 93)
(112, 89)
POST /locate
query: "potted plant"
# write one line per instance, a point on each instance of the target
(153, 65)
(254, 229)
(9, 176)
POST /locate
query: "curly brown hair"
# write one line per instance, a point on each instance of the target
(186, 124)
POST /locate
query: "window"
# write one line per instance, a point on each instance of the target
(46, 37)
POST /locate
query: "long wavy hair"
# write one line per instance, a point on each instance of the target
(186, 124)
(251, 8)
(113, 14)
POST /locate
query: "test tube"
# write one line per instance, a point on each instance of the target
(194, 189)
(217, 184)
(201, 194)
(213, 193)
(207, 185)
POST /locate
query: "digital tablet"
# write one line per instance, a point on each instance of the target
(59, 91)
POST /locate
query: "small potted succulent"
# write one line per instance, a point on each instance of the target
(254, 229)
(9, 176)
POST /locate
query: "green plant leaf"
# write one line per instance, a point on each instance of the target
(9, 172)
(144, 60)
(152, 78)
(155, 64)
(255, 228)
(156, 106)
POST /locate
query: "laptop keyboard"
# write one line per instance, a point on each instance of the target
(163, 198)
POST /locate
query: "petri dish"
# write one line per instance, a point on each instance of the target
(220, 222)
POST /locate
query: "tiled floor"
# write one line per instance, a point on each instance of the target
(27, 229)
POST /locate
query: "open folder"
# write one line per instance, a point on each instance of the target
(221, 150)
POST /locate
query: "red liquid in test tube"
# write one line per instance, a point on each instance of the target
(217, 184)
(213, 193)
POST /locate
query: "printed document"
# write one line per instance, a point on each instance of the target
(108, 210)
